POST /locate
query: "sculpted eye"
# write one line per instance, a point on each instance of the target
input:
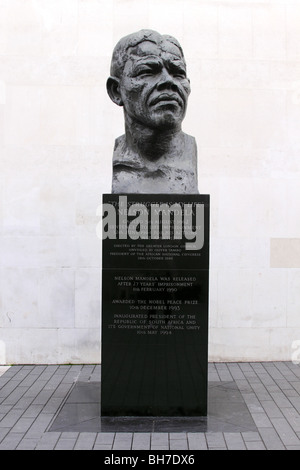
(177, 70)
(179, 73)
(147, 69)
(144, 72)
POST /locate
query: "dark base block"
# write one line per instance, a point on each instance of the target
(155, 321)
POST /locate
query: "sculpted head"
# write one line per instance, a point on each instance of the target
(148, 78)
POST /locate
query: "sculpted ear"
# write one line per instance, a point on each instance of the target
(113, 89)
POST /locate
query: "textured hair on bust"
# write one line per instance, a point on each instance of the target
(121, 51)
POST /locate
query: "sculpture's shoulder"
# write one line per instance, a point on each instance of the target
(123, 157)
(119, 146)
(189, 139)
(190, 145)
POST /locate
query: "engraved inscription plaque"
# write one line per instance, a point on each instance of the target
(155, 305)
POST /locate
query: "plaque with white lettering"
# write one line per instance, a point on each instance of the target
(155, 281)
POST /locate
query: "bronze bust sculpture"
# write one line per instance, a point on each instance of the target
(148, 78)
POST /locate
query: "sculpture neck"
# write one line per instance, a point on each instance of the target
(152, 144)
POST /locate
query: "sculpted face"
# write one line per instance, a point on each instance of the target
(154, 88)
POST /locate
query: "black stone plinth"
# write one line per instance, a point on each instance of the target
(155, 306)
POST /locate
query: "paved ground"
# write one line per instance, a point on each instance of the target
(31, 396)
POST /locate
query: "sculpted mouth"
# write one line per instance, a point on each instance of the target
(166, 97)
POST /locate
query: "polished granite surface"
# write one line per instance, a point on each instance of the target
(80, 412)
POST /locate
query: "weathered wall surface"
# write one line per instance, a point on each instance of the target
(57, 129)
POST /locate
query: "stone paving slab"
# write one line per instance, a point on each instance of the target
(32, 395)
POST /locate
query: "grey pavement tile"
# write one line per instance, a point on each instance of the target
(261, 420)
(23, 403)
(11, 441)
(293, 417)
(160, 439)
(32, 411)
(243, 386)
(85, 441)
(234, 441)
(37, 370)
(271, 439)
(273, 389)
(215, 440)
(45, 376)
(249, 436)
(105, 438)
(65, 444)
(236, 372)
(283, 384)
(272, 410)
(5, 408)
(102, 447)
(22, 425)
(62, 390)
(291, 393)
(296, 385)
(52, 384)
(273, 371)
(53, 405)
(255, 445)
(4, 385)
(257, 367)
(63, 369)
(32, 377)
(35, 389)
(3, 433)
(223, 372)
(260, 391)
(196, 441)
(42, 397)
(48, 441)
(69, 435)
(245, 367)
(248, 371)
(177, 435)
(281, 400)
(213, 375)
(284, 369)
(141, 441)
(156, 447)
(295, 401)
(40, 425)
(218, 448)
(11, 418)
(15, 395)
(123, 441)
(86, 372)
(27, 444)
(285, 431)
(252, 402)
(73, 374)
(4, 370)
(21, 374)
(178, 444)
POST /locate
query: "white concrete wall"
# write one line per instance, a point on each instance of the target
(57, 128)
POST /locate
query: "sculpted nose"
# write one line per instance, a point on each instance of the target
(167, 82)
